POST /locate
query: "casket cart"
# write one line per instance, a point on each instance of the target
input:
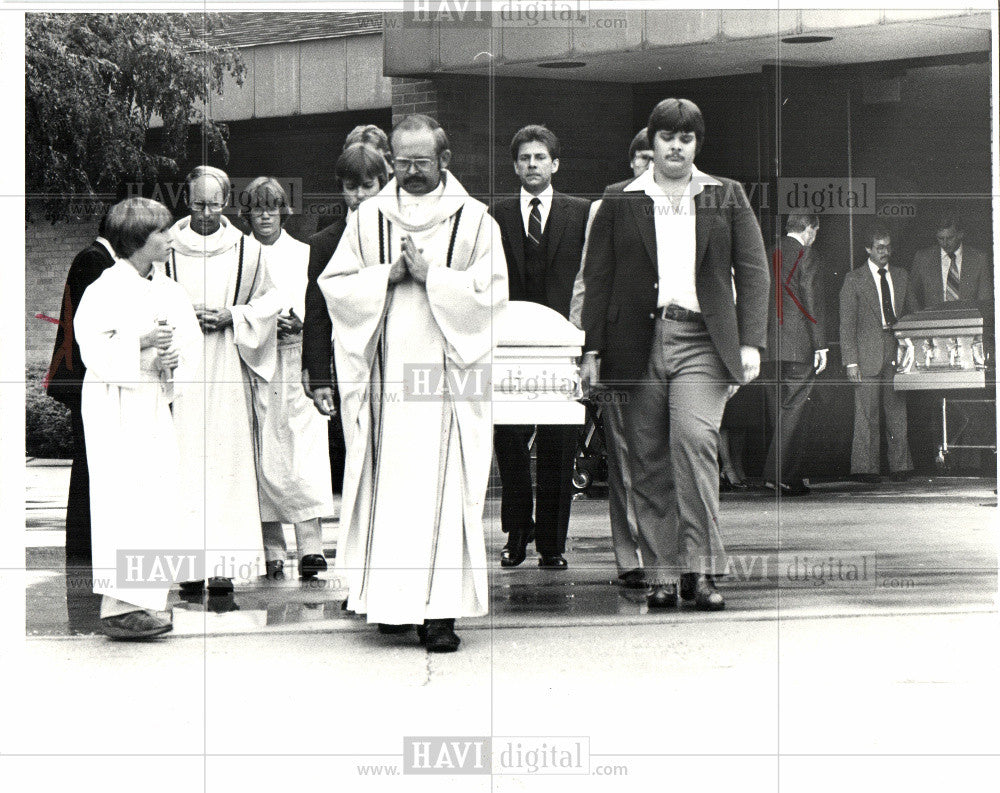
(941, 349)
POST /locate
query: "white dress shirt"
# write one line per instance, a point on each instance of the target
(675, 237)
(946, 266)
(544, 205)
(873, 268)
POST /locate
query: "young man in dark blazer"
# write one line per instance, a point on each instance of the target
(870, 301)
(65, 384)
(543, 233)
(796, 350)
(362, 172)
(664, 255)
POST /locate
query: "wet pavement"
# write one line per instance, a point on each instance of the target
(927, 546)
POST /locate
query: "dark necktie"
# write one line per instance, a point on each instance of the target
(535, 225)
(951, 289)
(888, 313)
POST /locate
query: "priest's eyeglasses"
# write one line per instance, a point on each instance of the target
(211, 206)
(422, 163)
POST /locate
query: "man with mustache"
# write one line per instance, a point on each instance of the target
(412, 290)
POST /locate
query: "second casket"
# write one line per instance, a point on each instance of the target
(536, 379)
(940, 348)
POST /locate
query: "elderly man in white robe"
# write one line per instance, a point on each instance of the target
(140, 340)
(412, 291)
(293, 461)
(226, 279)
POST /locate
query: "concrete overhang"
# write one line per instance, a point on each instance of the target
(632, 46)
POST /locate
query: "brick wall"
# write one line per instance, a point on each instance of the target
(413, 96)
(49, 250)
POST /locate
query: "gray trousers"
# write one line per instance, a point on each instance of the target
(628, 542)
(672, 426)
(874, 395)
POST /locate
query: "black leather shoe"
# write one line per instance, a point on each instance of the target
(311, 565)
(439, 636)
(191, 588)
(899, 476)
(701, 589)
(135, 626)
(220, 586)
(663, 596)
(799, 489)
(554, 561)
(275, 570)
(515, 550)
(633, 579)
(394, 630)
(868, 479)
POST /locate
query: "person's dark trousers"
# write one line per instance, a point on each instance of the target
(555, 447)
(787, 397)
(338, 453)
(78, 501)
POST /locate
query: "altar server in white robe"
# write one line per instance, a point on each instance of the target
(140, 341)
(293, 460)
(226, 279)
(412, 291)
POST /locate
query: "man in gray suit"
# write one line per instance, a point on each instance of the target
(869, 302)
(949, 271)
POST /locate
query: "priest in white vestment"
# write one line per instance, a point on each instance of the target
(141, 343)
(415, 282)
(226, 280)
(293, 458)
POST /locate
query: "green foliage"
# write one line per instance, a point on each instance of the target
(94, 82)
(48, 431)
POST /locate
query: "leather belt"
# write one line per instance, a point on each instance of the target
(678, 314)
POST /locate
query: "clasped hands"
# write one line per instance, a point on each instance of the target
(162, 338)
(411, 261)
(213, 319)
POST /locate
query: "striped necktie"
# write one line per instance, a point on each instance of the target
(951, 288)
(535, 224)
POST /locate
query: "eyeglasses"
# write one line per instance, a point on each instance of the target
(422, 163)
(201, 206)
(259, 211)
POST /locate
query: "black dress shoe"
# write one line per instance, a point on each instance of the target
(394, 630)
(552, 561)
(220, 586)
(633, 579)
(515, 550)
(701, 589)
(868, 479)
(663, 596)
(311, 565)
(191, 588)
(799, 489)
(899, 476)
(135, 626)
(275, 570)
(439, 636)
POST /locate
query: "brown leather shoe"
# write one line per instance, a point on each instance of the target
(135, 626)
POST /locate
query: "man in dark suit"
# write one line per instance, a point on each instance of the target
(543, 233)
(65, 384)
(664, 254)
(869, 302)
(949, 271)
(944, 273)
(362, 171)
(796, 350)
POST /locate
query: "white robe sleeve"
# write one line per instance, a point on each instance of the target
(464, 302)
(255, 324)
(187, 337)
(356, 297)
(110, 348)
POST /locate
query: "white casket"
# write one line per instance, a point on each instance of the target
(536, 379)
